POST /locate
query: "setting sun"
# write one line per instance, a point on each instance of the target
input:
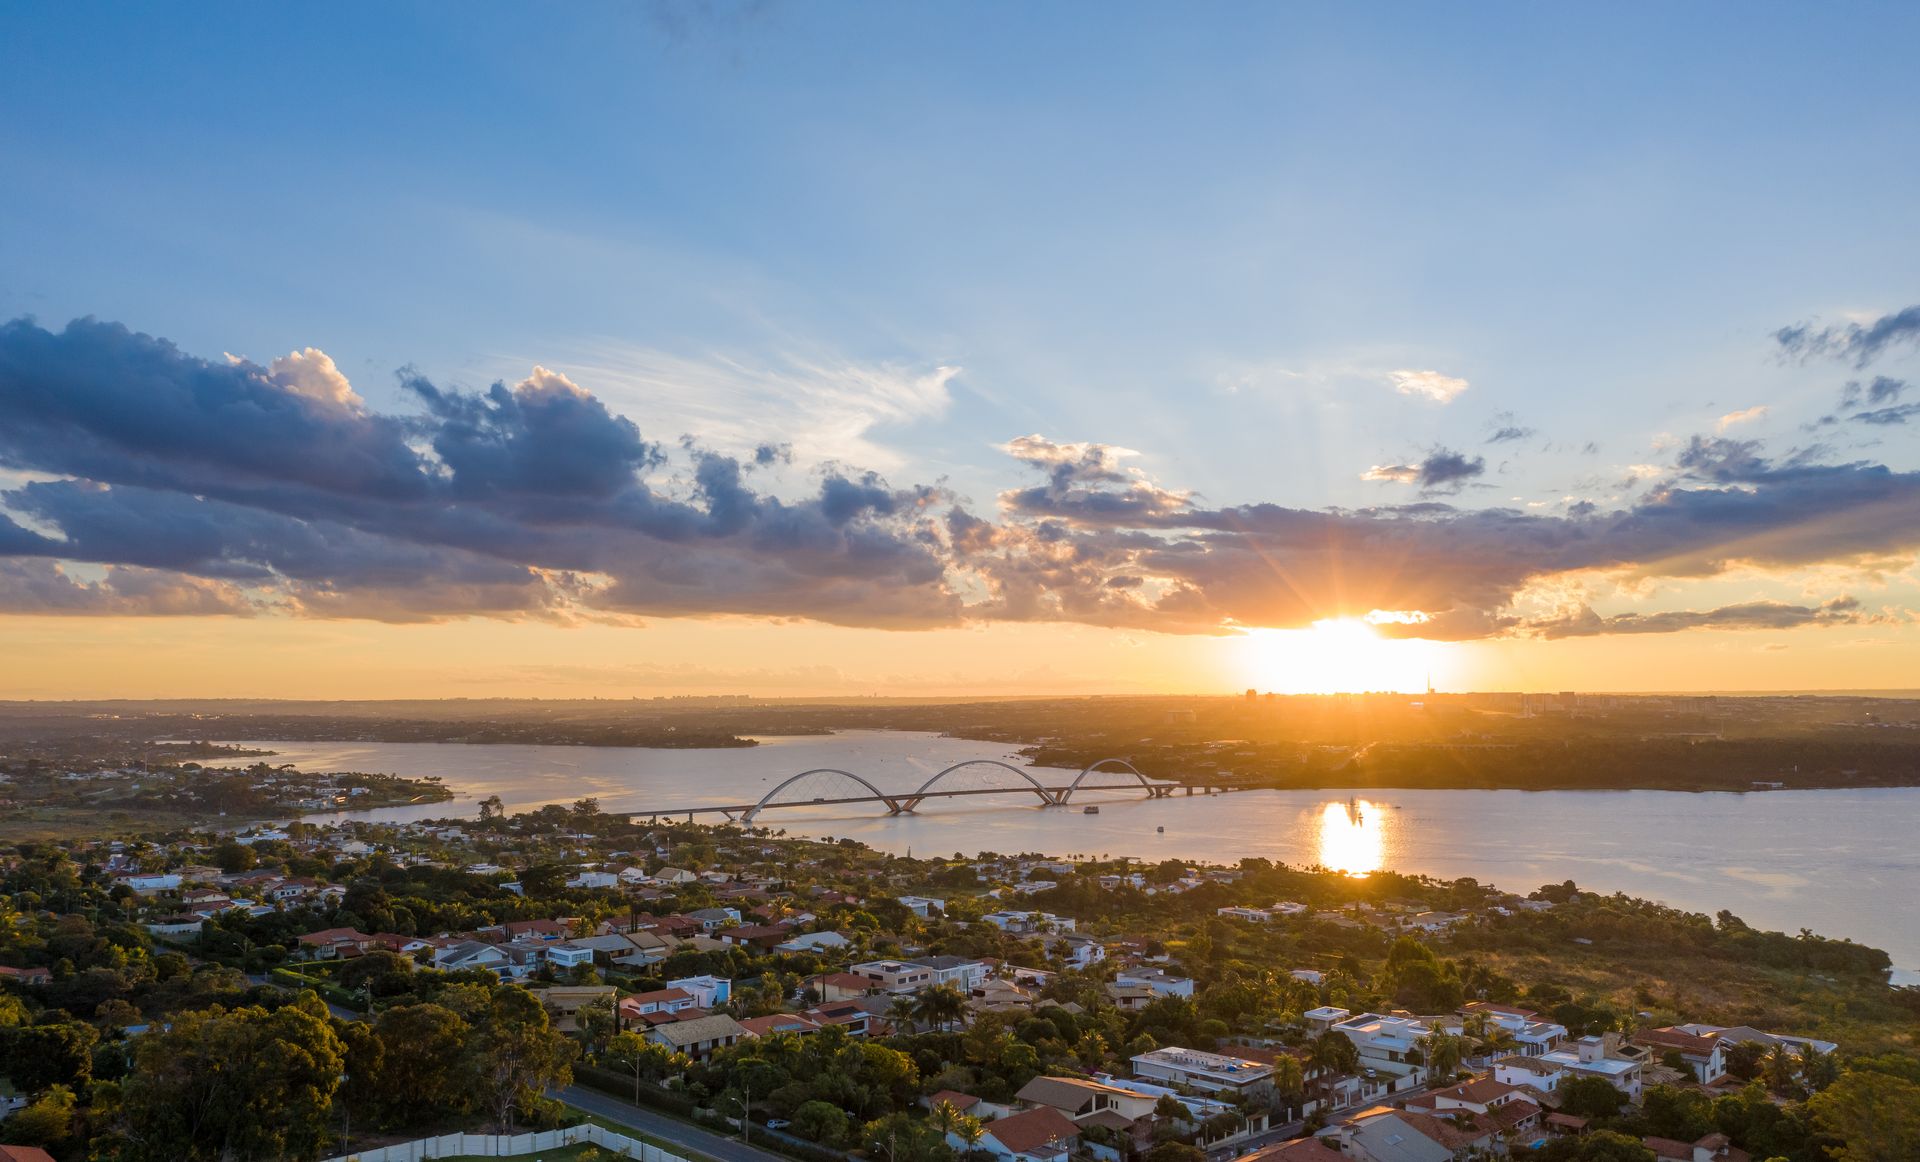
(1337, 656)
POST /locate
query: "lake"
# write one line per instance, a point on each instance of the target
(1842, 863)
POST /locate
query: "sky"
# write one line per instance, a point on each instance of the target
(785, 349)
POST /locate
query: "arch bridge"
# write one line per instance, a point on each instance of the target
(836, 787)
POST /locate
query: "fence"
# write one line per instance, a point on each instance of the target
(509, 1146)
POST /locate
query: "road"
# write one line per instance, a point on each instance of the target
(663, 1128)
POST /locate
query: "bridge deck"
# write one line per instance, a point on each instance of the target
(741, 808)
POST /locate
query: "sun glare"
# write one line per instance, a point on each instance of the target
(1337, 656)
(1350, 837)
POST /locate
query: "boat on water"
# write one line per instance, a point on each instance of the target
(1089, 810)
(1162, 830)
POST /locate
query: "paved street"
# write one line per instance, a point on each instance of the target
(664, 1128)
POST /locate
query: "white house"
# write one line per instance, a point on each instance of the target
(1386, 1043)
(1161, 981)
(1210, 1072)
(924, 906)
(706, 991)
(961, 972)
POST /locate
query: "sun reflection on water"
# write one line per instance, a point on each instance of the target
(1350, 837)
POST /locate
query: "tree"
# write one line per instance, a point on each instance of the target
(426, 1068)
(1875, 1114)
(940, 1005)
(1174, 1152)
(901, 1137)
(232, 856)
(952, 1123)
(822, 1122)
(48, 1122)
(243, 1085)
(1443, 1053)
(1331, 1055)
(520, 1056)
(1598, 1146)
(38, 1056)
(492, 808)
(1590, 1097)
(645, 1060)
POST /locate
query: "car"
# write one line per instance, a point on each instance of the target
(778, 1123)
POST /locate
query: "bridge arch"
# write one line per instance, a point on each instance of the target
(1096, 765)
(792, 779)
(1046, 796)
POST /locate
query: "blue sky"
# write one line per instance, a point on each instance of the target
(899, 236)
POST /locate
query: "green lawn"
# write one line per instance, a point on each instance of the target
(686, 1152)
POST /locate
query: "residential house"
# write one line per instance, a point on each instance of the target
(330, 943)
(699, 1037)
(924, 906)
(1508, 1106)
(1531, 1035)
(459, 954)
(660, 1003)
(1712, 1148)
(1389, 1135)
(960, 972)
(1036, 1135)
(1208, 1072)
(1700, 1054)
(767, 1026)
(1162, 982)
(1079, 1098)
(1603, 1057)
(564, 1002)
(1078, 952)
(894, 976)
(1387, 1044)
(813, 942)
(711, 919)
(707, 991)
(1026, 923)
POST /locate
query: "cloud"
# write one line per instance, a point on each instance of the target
(1887, 416)
(517, 501)
(1862, 343)
(1428, 384)
(1443, 470)
(45, 588)
(1883, 390)
(1749, 616)
(823, 408)
(1743, 416)
(145, 480)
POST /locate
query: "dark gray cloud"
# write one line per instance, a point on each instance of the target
(1856, 342)
(196, 486)
(519, 500)
(1750, 615)
(1445, 470)
(1883, 390)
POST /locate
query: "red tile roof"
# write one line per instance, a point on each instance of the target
(1026, 1133)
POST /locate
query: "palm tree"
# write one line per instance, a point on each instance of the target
(941, 1005)
(1443, 1054)
(1331, 1054)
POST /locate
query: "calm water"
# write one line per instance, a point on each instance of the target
(1843, 863)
